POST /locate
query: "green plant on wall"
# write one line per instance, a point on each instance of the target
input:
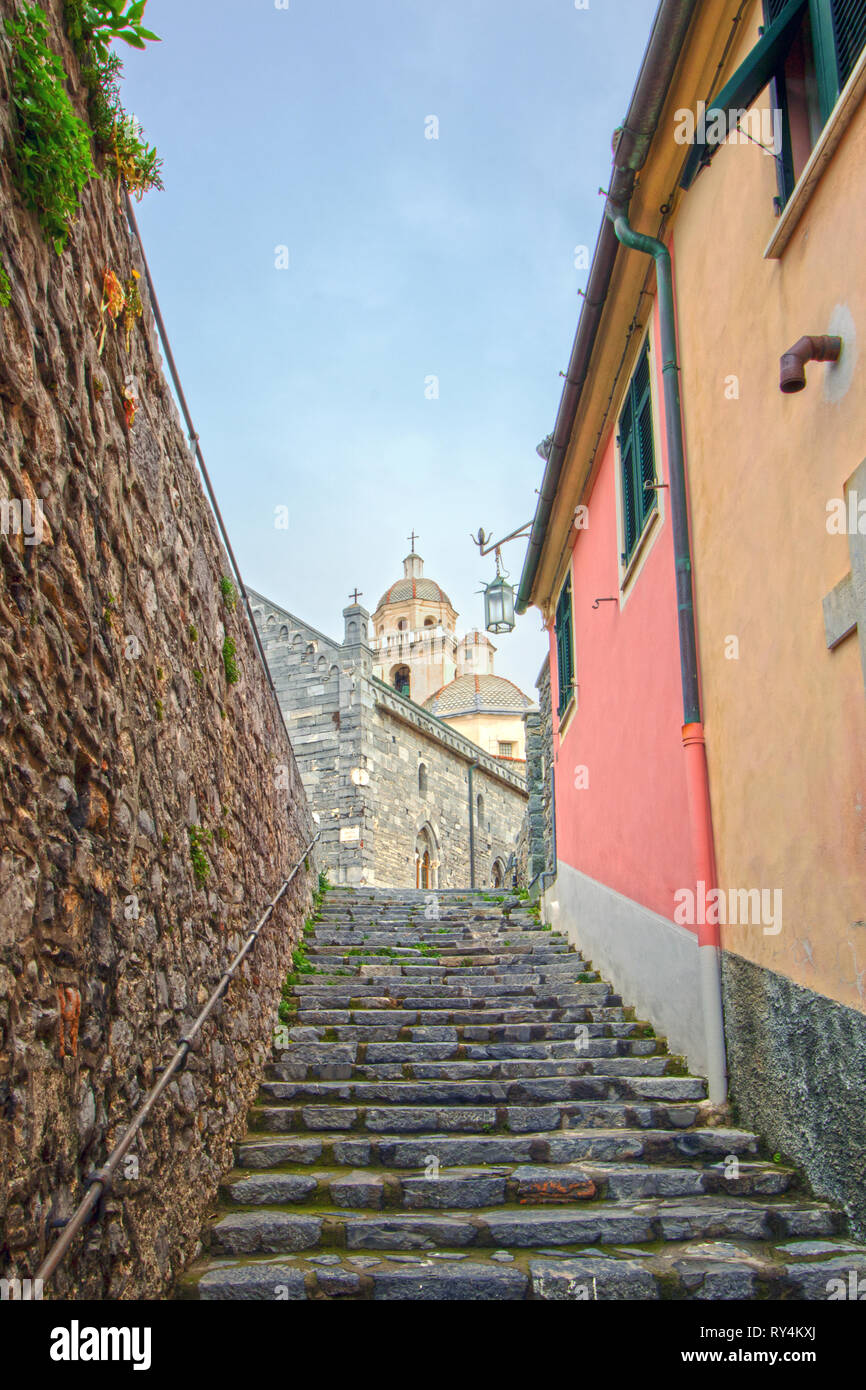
(97, 22)
(92, 25)
(200, 861)
(229, 593)
(5, 287)
(51, 159)
(229, 662)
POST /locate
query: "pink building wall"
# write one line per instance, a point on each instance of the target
(629, 829)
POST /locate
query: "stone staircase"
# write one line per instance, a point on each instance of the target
(463, 1110)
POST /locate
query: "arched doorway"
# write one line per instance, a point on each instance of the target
(426, 859)
(498, 873)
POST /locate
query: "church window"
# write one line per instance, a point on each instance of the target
(402, 680)
(480, 808)
(422, 778)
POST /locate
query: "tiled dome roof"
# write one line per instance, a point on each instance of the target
(413, 588)
(478, 694)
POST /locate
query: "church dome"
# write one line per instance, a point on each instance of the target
(413, 585)
(478, 695)
(422, 588)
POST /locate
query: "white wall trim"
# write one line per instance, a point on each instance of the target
(648, 959)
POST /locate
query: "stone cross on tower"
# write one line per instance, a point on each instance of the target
(412, 539)
(356, 595)
(845, 605)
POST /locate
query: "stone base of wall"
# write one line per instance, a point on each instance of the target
(797, 1063)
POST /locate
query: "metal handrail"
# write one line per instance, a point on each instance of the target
(99, 1181)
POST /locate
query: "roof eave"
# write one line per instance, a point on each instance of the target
(633, 140)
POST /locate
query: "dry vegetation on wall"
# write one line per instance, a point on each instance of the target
(142, 821)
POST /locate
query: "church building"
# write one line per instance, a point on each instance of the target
(411, 749)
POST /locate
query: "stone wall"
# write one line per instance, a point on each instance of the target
(796, 1061)
(545, 707)
(399, 742)
(306, 670)
(535, 843)
(119, 732)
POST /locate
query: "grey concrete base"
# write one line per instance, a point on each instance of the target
(650, 961)
(797, 1063)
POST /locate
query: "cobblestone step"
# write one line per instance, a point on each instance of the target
(471, 1188)
(465, 1110)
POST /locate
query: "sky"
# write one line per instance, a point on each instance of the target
(365, 258)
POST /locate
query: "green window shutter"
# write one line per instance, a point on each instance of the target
(750, 79)
(564, 646)
(629, 501)
(637, 456)
(849, 33)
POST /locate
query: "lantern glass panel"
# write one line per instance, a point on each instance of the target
(499, 606)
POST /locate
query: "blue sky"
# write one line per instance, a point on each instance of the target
(409, 258)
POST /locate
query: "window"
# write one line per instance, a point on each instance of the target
(401, 680)
(826, 39)
(637, 457)
(565, 646)
(807, 52)
(429, 622)
(480, 809)
(506, 750)
(422, 779)
(403, 625)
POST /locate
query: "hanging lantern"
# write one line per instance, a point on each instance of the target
(499, 603)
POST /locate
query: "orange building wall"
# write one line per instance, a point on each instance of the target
(786, 721)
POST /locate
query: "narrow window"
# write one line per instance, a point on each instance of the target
(637, 457)
(402, 680)
(807, 52)
(422, 779)
(826, 41)
(565, 646)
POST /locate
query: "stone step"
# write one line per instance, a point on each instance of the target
(478, 1090)
(484, 1017)
(639, 1055)
(462, 1108)
(454, 1150)
(276, 1231)
(473, 1119)
(472, 1188)
(488, 1036)
(338, 1067)
(708, 1270)
(513, 957)
(387, 974)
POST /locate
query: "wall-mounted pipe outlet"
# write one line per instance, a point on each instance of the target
(792, 366)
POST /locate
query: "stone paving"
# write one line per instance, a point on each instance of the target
(463, 1110)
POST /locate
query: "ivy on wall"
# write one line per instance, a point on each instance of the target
(51, 157)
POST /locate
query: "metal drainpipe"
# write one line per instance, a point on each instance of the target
(700, 814)
(472, 767)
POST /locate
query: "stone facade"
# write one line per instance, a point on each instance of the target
(546, 764)
(796, 1061)
(535, 846)
(119, 732)
(388, 779)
